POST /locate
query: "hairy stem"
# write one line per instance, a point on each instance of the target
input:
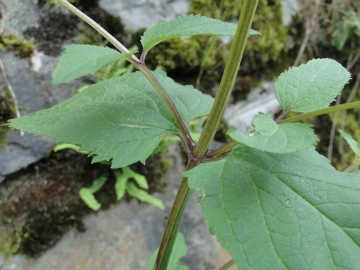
(341, 107)
(173, 223)
(228, 79)
(175, 113)
(236, 52)
(134, 60)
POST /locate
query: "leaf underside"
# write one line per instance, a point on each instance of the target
(80, 60)
(268, 136)
(189, 25)
(277, 211)
(312, 86)
(122, 119)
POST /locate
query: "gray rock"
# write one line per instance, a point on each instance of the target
(124, 237)
(137, 14)
(289, 8)
(263, 99)
(18, 15)
(34, 92)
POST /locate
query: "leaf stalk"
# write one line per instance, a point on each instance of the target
(140, 65)
(185, 134)
(341, 107)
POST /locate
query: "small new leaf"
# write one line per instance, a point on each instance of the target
(87, 193)
(189, 25)
(178, 252)
(352, 143)
(312, 86)
(123, 185)
(281, 211)
(268, 136)
(80, 60)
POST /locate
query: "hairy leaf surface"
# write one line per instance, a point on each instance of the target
(268, 136)
(281, 211)
(122, 119)
(312, 86)
(80, 60)
(189, 25)
(178, 252)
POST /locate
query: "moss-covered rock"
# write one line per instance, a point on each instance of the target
(46, 203)
(21, 48)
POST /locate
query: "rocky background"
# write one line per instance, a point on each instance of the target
(43, 223)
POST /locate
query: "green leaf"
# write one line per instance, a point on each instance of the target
(80, 60)
(122, 119)
(352, 143)
(120, 185)
(140, 179)
(189, 25)
(87, 193)
(123, 184)
(178, 252)
(143, 196)
(281, 211)
(312, 86)
(268, 136)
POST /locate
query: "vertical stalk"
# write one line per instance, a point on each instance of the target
(221, 99)
(228, 79)
(173, 223)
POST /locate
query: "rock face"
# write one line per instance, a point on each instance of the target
(262, 99)
(137, 14)
(18, 15)
(124, 237)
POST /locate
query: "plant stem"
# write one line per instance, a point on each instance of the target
(134, 60)
(175, 113)
(227, 265)
(227, 81)
(223, 149)
(341, 107)
(173, 223)
(236, 52)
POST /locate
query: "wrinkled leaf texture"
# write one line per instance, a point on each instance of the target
(281, 211)
(311, 86)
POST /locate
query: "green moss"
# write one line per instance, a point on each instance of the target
(183, 56)
(6, 112)
(260, 51)
(177, 53)
(21, 48)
